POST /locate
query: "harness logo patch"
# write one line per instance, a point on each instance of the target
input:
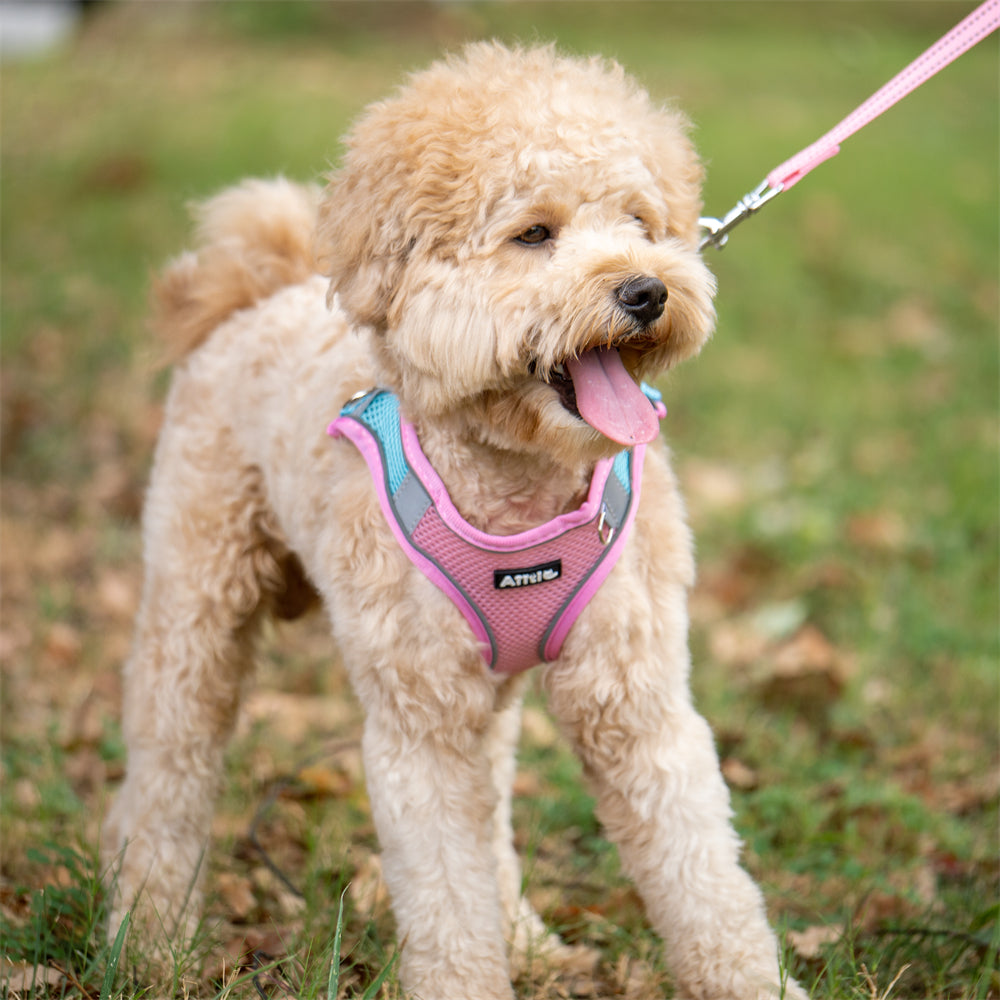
(511, 579)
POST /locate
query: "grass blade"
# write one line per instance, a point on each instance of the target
(113, 959)
(333, 984)
(369, 993)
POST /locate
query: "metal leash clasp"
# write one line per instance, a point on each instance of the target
(715, 232)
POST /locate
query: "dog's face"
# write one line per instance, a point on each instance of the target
(520, 233)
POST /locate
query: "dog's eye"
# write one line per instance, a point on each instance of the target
(533, 235)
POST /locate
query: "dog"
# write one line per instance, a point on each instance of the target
(452, 332)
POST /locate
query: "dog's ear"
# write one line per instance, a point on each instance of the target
(360, 244)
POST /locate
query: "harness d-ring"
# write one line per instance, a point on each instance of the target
(605, 531)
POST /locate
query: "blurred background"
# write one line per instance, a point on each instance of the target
(836, 441)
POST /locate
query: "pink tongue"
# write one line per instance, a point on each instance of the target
(609, 399)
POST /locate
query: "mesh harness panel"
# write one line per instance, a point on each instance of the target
(519, 593)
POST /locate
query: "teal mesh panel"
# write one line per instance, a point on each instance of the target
(621, 470)
(383, 415)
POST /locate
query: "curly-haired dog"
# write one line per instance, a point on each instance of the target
(508, 249)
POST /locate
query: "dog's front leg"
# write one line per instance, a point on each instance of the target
(533, 947)
(433, 800)
(621, 694)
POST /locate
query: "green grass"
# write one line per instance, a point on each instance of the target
(847, 406)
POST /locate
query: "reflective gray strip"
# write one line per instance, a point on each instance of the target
(411, 501)
(616, 500)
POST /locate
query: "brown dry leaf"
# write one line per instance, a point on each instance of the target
(237, 895)
(84, 724)
(289, 716)
(880, 531)
(808, 651)
(538, 728)
(961, 797)
(713, 485)
(60, 552)
(318, 781)
(249, 949)
(86, 771)
(117, 594)
(912, 323)
(27, 797)
(21, 979)
(736, 643)
(739, 775)
(636, 979)
(808, 673)
(809, 943)
(288, 904)
(528, 784)
(879, 907)
(63, 645)
(736, 581)
(615, 907)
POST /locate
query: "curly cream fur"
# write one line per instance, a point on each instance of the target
(428, 291)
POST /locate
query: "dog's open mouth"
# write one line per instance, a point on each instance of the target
(597, 388)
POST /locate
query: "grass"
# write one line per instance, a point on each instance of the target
(837, 443)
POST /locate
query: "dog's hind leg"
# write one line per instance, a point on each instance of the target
(208, 567)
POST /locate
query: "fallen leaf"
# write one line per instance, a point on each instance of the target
(736, 643)
(528, 784)
(912, 323)
(84, 725)
(291, 715)
(809, 943)
(538, 728)
(118, 594)
(63, 645)
(808, 674)
(739, 775)
(86, 771)
(713, 485)
(319, 781)
(736, 581)
(288, 903)
(237, 895)
(22, 978)
(117, 172)
(880, 531)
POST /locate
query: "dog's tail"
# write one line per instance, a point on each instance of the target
(252, 240)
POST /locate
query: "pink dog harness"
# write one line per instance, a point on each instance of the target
(519, 593)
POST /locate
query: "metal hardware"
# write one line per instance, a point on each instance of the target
(605, 531)
(715, 232)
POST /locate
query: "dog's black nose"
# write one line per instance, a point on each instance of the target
(643, 298)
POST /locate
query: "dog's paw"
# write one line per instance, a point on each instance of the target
(537, 953)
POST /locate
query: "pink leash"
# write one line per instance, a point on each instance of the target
(983, 21)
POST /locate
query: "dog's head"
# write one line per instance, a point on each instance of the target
(519, 230)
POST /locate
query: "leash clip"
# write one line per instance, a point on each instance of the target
(715, 232)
